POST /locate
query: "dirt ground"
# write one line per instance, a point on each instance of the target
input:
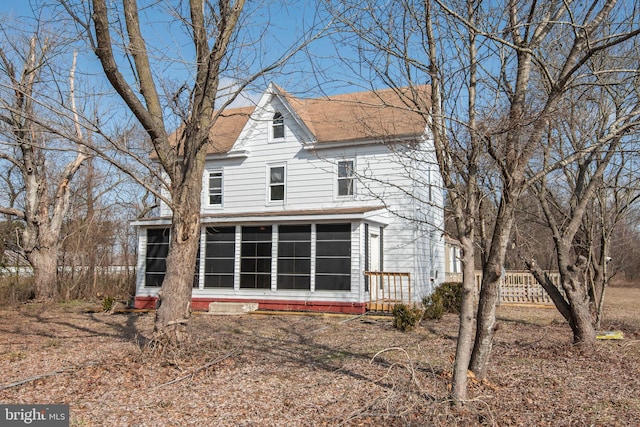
(302, 370)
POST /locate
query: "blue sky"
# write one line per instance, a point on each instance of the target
(282, 23)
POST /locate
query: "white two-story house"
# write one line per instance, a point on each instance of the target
(322, 204)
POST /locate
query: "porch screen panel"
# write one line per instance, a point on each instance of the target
(333, 257)
(156, 258)
(220, 257)
(255, 262)
(294, 257)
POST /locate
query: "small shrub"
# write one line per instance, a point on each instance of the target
(406, 318)
(433, 307)
(108, 303)
(446, 298)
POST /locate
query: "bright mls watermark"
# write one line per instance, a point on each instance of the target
(34, 415)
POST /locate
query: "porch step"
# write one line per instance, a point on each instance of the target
(226, 308)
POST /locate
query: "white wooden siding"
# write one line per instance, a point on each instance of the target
(382, 177)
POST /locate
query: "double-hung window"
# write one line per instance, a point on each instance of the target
(345, 178)
(215, 188)
(277, 183)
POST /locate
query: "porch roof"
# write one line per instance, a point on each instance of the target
(375, 214)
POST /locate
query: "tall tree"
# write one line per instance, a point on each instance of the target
(33, 142)
(402, 45)
(598, 121)
(499, 71)
(551, 46)
(218, 45)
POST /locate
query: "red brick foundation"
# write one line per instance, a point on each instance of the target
(202, 304)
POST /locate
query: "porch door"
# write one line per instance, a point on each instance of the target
(375, 282)
(374, 252)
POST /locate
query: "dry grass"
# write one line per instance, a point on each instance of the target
(295, 370)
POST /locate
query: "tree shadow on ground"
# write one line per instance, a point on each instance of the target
(94, 324)
(300, 342)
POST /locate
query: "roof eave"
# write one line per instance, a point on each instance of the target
(377, 214)
(325, 145)
(231, 154)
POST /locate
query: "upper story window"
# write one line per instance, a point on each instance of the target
(278, 126)
(345, 178)
(276, 183)
(215, 188)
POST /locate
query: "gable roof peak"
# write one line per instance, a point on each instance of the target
(376, 115)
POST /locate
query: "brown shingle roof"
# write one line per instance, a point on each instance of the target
(225, 131)
(357, 116)
(381, 114)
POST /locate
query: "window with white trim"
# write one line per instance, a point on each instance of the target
(454, 260)
(277, 177)
(214, 185)
(345, 178)
(277, 126)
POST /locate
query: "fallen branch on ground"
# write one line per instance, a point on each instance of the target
(48, 374)
(233, 352)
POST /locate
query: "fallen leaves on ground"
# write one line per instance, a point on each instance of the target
(302, 370)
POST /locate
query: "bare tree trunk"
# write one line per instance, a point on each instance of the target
(575, 289)
(491, 274)
(183, 161)
(465, 330)
(574, 305)
(44, 261)
(171, 318)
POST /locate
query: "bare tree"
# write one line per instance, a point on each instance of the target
(388, 50)
(499, 72)
(95, 222)
(615, 200)
(576, 205)
(46, 160)
(220, 50)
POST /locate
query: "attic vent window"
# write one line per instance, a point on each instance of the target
(278, 126)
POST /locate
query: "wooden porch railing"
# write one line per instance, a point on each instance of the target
(515, 287)
(387, 289)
